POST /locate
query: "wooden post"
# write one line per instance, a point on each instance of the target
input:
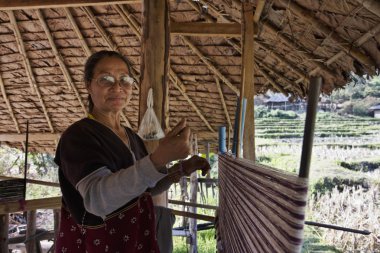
(154, 65)
(311, 115)
(57, 221)
(4, 226)
(30, 232)
(247, 87)
(193, 199)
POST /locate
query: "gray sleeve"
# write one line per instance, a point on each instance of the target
(104, 192)
(163, 185)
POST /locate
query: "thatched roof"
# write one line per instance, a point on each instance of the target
(42, 51)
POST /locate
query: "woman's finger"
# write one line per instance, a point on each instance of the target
(178, 128)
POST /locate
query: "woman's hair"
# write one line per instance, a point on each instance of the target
(90, 65)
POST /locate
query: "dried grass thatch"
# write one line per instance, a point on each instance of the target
(42, 51)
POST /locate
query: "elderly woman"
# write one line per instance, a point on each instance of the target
(105, 173)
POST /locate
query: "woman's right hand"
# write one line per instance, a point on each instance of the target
(174, 146)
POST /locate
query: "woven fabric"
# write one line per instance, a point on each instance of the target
(261, 209)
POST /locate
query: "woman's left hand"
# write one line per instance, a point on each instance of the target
(195, 163)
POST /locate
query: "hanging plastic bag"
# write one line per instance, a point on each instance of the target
(150, 128)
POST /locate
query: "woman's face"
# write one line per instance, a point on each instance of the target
(109, 88)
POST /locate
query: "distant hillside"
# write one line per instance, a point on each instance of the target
(357, 97)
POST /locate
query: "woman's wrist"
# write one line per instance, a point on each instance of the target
(157, 161)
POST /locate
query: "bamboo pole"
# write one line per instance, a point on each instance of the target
(28, 67)
(259, 9)
(8, 104)
(77, 31)
(223, 102)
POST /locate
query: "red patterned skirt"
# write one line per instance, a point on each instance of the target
(131, 230)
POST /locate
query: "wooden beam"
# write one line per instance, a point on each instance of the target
(30, 244)
(209, 64)
(46, 203)
(32, 137)
(206, 29)
(38, 4)
(28, 67)
(8, 104)
(184, 203)
(172, 75)
(371, 33)
(223, 102)
(58, 57)
(346, 46)
(259, 9)
(247, 89)
(371, 5)
(155, 42)
(194, 215)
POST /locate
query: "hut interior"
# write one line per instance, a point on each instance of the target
(216, 51)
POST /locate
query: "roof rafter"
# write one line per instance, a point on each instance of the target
(371, 33)
(209, 64)
(371, 5)
(259, 10)
(223, 102)
(303, 51)
(271, 80)
(77, 31)
(28, 67)
(8, 104)
(110, 44)
(328, 32)
(58, 57)
(238, 49)
(192, 104)
(38, 4)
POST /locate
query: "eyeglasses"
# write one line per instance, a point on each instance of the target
(108, 81)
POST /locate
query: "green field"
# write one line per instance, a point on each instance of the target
(344, 179)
